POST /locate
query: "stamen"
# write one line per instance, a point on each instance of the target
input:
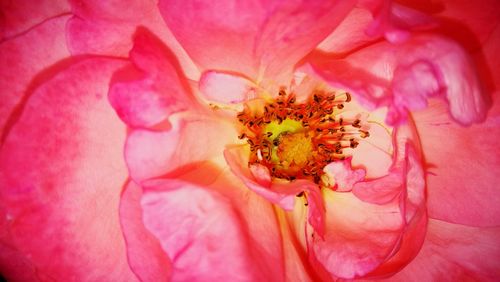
(296, 141)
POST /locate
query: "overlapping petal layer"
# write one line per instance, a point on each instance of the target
(107, 27)
(202, 234)
(404, 76)
(372, 227)
(247, 36)
(61, 174)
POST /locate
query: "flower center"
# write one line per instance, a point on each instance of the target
(298, 140)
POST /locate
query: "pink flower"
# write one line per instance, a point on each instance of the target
(123, 158)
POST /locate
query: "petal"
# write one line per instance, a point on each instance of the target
(404, 76)
(454, 252)
(62, 171)
(14, 264)
(380, 234)
(277, 192)
(145, 255)
(20, 16)
(107, 28)
(237, 161)
(153, 88)
(359, 236)
(22, 63)
(462, 189)
(470, 23)
(225, 88)
(191, 140)
(244, 36)
(200, 230)
(343, 176)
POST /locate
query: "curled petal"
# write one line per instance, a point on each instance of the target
(358, 237)
(49, 182)
(147, 92)
(200, 230)
(405, 76)
(376, 229)
(343, 176)
(258, 179)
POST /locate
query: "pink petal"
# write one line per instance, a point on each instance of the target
(454, 252)
(14, 264)
(279, 193)
(359, 236)
(394, 21)
(21, 15)
(145, 255)
(470, 23)
(23, 61)
(190, 141)
(380, 234)
(107, 28)
(404, 76)
(202, 233)
(62, 172)
(350, 33)
(225, 88)
(244, 36)
(147, 92)
(237, 161)
(463, 188)
(343, 175)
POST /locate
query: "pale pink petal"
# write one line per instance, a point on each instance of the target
(146, 257)
(201, 232)
(22, 63)
(245, 36)
(461, 164)
(62, 171)
(225, 87)
(404, 76)
(190, 141)
(343, 176)
(147, 92)
(359, 236)
(19, 16)
(453, 252)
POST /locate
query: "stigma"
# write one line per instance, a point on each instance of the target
(297, 140)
